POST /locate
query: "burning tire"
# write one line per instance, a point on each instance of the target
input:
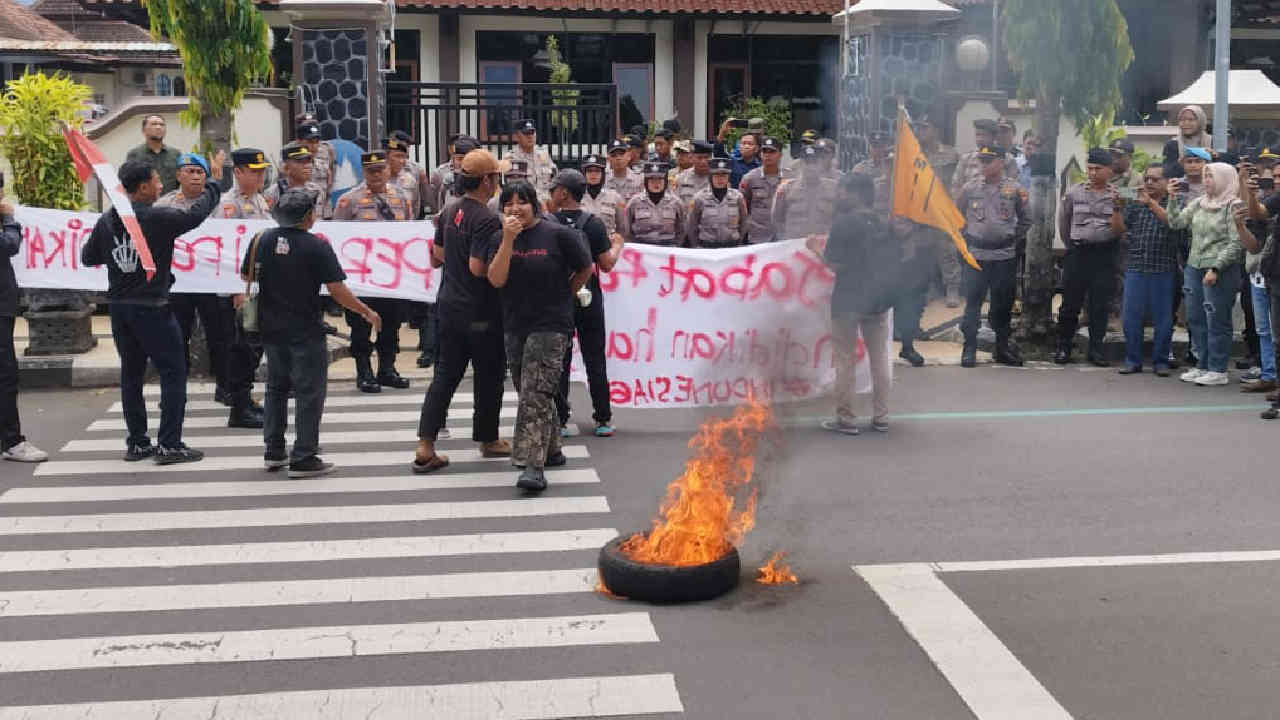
(664, 583)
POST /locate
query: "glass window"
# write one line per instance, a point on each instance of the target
(801, 69)
(497, 121)
(635, 93)
(164, 86)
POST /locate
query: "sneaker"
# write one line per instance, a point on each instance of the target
(1213, 378)
(880, 425)
(840, 426)
(311, 467)
(1251, 375)
(532, 480)
(178, 454)
(604, 429)
(1191, 375)
(556, 459)
(564, 431)
(913, 357)
(134, 453)
(25, 452)
(274, 461)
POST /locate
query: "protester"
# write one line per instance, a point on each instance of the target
(154, 152)
(13, 446)
(297, 172)
(864, 265)
(244, 201)
(620, 178)
(538, 266)
(568, 190)
(412, 180)
(1151, 273)
(997, 218)
(599, 200)
(1192, 124)
(514, 171)
(1090, 224)
(943, 159)
(470, 317)
(655, 216)
(375, 200)
(716, 218)
(289, 265)
(142, 325)
(1257, 192)
(308, 135)
(1269, 263)
(805, 205)
(541, 168)
(758, 189)
(696, 178)
(1212, 277)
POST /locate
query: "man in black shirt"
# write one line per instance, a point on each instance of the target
(290, 264)
(469, 316)
(567, 190)
(12, 444)
(142, 325)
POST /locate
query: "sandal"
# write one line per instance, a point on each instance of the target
(432, 464)
(496, 449)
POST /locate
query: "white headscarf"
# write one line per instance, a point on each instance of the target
(1221, 186)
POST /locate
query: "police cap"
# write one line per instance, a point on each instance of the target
(986, 125)
(465, 144)
(295, 151)
(702, 147)
(252, 158)
(655, 170)
(395, 143)
(721, 165)
(617, 146)
(593, 160)
(526, 126)
(308, 130)
(635, 141)
(770, 144)
(373, 158)
(193, 160)
(1100, 156)
(1123, 145)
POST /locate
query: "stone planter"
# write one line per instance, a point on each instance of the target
(60, 332)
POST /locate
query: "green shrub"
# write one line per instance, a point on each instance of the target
(776, 114)
(32, 111)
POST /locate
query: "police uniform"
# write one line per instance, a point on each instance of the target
(636, 142)
(996, 220)
(717, 223)
(806, 205)
(758, 190)
(541, 168)
(298, 152)
(1084, 224)
(679, 148)
(627, 185)
(323, 156)
(246, 352)
(607, 205)
(689, 182)
(409, 183)
(970, 166)
(649, 223)
(362, 204)
(944, 159)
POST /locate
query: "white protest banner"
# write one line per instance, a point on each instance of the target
(380, 259)
(688, 328)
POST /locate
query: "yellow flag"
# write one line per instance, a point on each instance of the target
(919, 194)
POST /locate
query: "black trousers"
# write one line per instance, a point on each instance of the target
(142, 333)
(217, 319)
(423, 317)
(242, 363)
(480, 344)
(1250, 332)
(1000, 277)
(10, 427)
(591, 339)
(1087, 270)
(388, 343)
(909, 304)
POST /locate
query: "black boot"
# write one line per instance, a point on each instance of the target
(969, 356)
(365, 379)
(220, 395)
(388, 376)
(910, 355)
(1063, 356)
(1007, 353)
(243, 416)
(1098, 356)
(426, 359)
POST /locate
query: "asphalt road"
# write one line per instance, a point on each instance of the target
(219, 591)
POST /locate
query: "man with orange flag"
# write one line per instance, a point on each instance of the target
(920, 195)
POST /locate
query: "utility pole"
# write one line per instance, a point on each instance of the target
(1222, 75)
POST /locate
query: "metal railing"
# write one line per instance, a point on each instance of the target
(573, 120)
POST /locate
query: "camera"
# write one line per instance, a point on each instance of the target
(738, 123)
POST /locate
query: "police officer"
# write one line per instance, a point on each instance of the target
(719, 211)
(662, 139)
(599, 200)
(637, 148)
(758, 188)
(322, 153)
(655, 216)
(244, 201)
(409, 182)
(970, 165)
(375, 200)
(805, 206)
(943, 159)
(696, 178)
(1090, 223)
(878, 166)
(996, 222)
(541, 168)
(827, 148)
(299, 164)
(620, 177)
(684, 158)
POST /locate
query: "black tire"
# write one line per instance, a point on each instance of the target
(665, 584)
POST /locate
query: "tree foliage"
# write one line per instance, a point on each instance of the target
(32, 112)
(561, 74)
(1072, 50)
(225, 49)
(776, 113)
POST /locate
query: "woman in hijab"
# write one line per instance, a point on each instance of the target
(1212, 277)
(1192, 124)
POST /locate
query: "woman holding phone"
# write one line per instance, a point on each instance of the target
(537, 265)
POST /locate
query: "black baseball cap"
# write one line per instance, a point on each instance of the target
(464, 144)
(702, 147)
(308, 130)
(570, 180)
(526, 126)
(635, 141)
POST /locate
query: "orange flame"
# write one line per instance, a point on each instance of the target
(776, 572)
(699, 520)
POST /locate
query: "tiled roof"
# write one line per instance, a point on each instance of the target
(63, 9)
(20, 23)
(660, 7)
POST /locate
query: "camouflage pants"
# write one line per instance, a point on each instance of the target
(536, 362)
(949, 262)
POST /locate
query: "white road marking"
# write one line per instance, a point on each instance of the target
(254, 488)
(1112, 561)
(332, 401)
(253, 439)
(329, 418)
(306, 550)
(988, 677)
(254, 462)
(309, 643)
(588, 697)
(266, 593)
(282, 516)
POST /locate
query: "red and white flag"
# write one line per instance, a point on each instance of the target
(89, 161)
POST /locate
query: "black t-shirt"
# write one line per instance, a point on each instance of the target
(537, 297)
(866, 260)
(464, 229)
(597, 243)
(293, 264)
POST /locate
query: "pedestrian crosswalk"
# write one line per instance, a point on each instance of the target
(216, 589)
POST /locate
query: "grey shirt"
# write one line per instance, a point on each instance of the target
(996, 217)
(627, 186)
(758, 190)
(688, 183)
(1085, 217)
(650, 224)
(716, 223)
(804, 207)
(608, 206)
